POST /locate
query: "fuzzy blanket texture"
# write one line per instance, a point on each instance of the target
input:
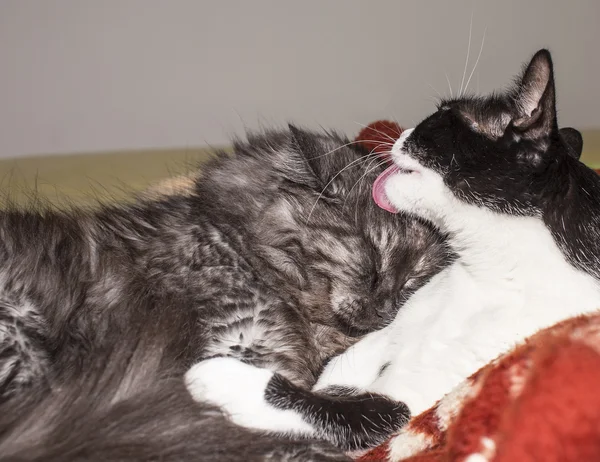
(538, 402)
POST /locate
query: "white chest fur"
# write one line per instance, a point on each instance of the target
(510, 281)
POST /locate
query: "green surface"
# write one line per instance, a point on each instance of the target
(591, 148)
(87, 178)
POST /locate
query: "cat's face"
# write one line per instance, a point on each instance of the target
(496, 152)
(387, 263)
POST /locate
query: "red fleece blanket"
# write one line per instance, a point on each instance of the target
(539, 402)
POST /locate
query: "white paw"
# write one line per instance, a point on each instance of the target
(226, 382)
(423, 194)
(341, 371)
(359, 366)
(239, 390)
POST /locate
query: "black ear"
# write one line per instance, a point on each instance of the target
(315, 150)
(573, 140)
(534, 98)
(305, 142)
(294, 164)
(311, 149)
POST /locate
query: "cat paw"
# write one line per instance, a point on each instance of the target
(344, 416)
(221, 380)
(355, 368)
(365, 420)
(238, 389)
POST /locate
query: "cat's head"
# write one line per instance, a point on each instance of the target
(368, 262)
(306, 201)
(499, 152)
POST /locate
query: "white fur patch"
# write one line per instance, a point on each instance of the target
(239, 389)
(356, 370)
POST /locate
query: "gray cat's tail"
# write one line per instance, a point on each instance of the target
(126, 401)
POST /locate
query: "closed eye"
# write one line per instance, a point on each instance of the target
(410, 283)
(375, 280)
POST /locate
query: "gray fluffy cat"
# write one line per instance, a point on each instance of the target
(278, 257)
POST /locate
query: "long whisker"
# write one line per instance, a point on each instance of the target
(366, 173)
(433, 88)
(460, 92)
(373, 156)
(383, 162)
(477, 60)
(449, 86)
(337, 149)
(377, 131)
(362, 178)
(397, 123)
(392, 140)
(433, 100)
(353, 163)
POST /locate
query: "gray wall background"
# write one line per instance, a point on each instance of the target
(89, 75)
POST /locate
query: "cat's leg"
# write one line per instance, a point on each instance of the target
(259, 328)
(260, 399)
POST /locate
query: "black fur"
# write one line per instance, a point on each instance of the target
(276, 257)
(349, 419)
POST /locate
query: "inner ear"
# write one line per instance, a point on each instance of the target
(470, 120)
(534, 97)
(573, 140)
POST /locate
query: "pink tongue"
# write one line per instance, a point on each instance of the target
(379, 195)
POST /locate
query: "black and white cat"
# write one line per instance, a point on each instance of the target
(523, 215)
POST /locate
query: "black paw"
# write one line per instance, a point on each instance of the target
(348, 419)
(363, 420)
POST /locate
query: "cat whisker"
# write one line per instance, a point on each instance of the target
(476, 62)
(393, 140)
(437, 92)
(383, 162)
(351, 143)
(461, 91)
(449, 85)
(364, 176)
(433, 99)
(353, 163)
(373, 158)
